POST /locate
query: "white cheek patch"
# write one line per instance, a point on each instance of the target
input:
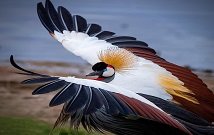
(109, 72)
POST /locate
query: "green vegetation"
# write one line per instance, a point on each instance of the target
(27, 126)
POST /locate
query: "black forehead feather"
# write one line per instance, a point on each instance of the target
(99, 66)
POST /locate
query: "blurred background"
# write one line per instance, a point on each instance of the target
(180, 31)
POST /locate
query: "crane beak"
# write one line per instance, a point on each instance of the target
(95, 73)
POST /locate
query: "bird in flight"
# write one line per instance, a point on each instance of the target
(135, 92)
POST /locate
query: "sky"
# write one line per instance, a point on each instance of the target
(180, 31)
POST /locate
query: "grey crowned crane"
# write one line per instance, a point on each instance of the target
(136, 92)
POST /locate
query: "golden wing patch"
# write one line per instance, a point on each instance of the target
(175, 87)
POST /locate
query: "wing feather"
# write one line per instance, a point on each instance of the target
(64, 95)
(66, 18)
(79, 101)
(49, 87)
(44, 18)
(95, 102)
(53, 15)
(104, 34)
(80, 24)
(120, 39)
(39, 80)
(93, 29)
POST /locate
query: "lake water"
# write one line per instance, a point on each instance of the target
(181, 31)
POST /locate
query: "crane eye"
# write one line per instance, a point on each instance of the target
(108, 72)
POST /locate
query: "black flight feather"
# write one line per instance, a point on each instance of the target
(67, 93)
(66, 17)
(44, 18)
(126, 110)
(39, 80)
(122, 45)
(104, 34)
(80, 24)
(96, 101)
(49, 87)
(79, 100)
(88, 101)
(120, 39)
(93, 29)
(53, 15)
(131, 43)
(114, 107)
(77, 89)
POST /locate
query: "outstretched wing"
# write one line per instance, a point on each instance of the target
(87, 40)
(81, 38)
(83, 98)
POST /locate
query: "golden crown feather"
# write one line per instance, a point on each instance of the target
(119, 58)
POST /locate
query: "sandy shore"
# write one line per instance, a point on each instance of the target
(16, 99)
